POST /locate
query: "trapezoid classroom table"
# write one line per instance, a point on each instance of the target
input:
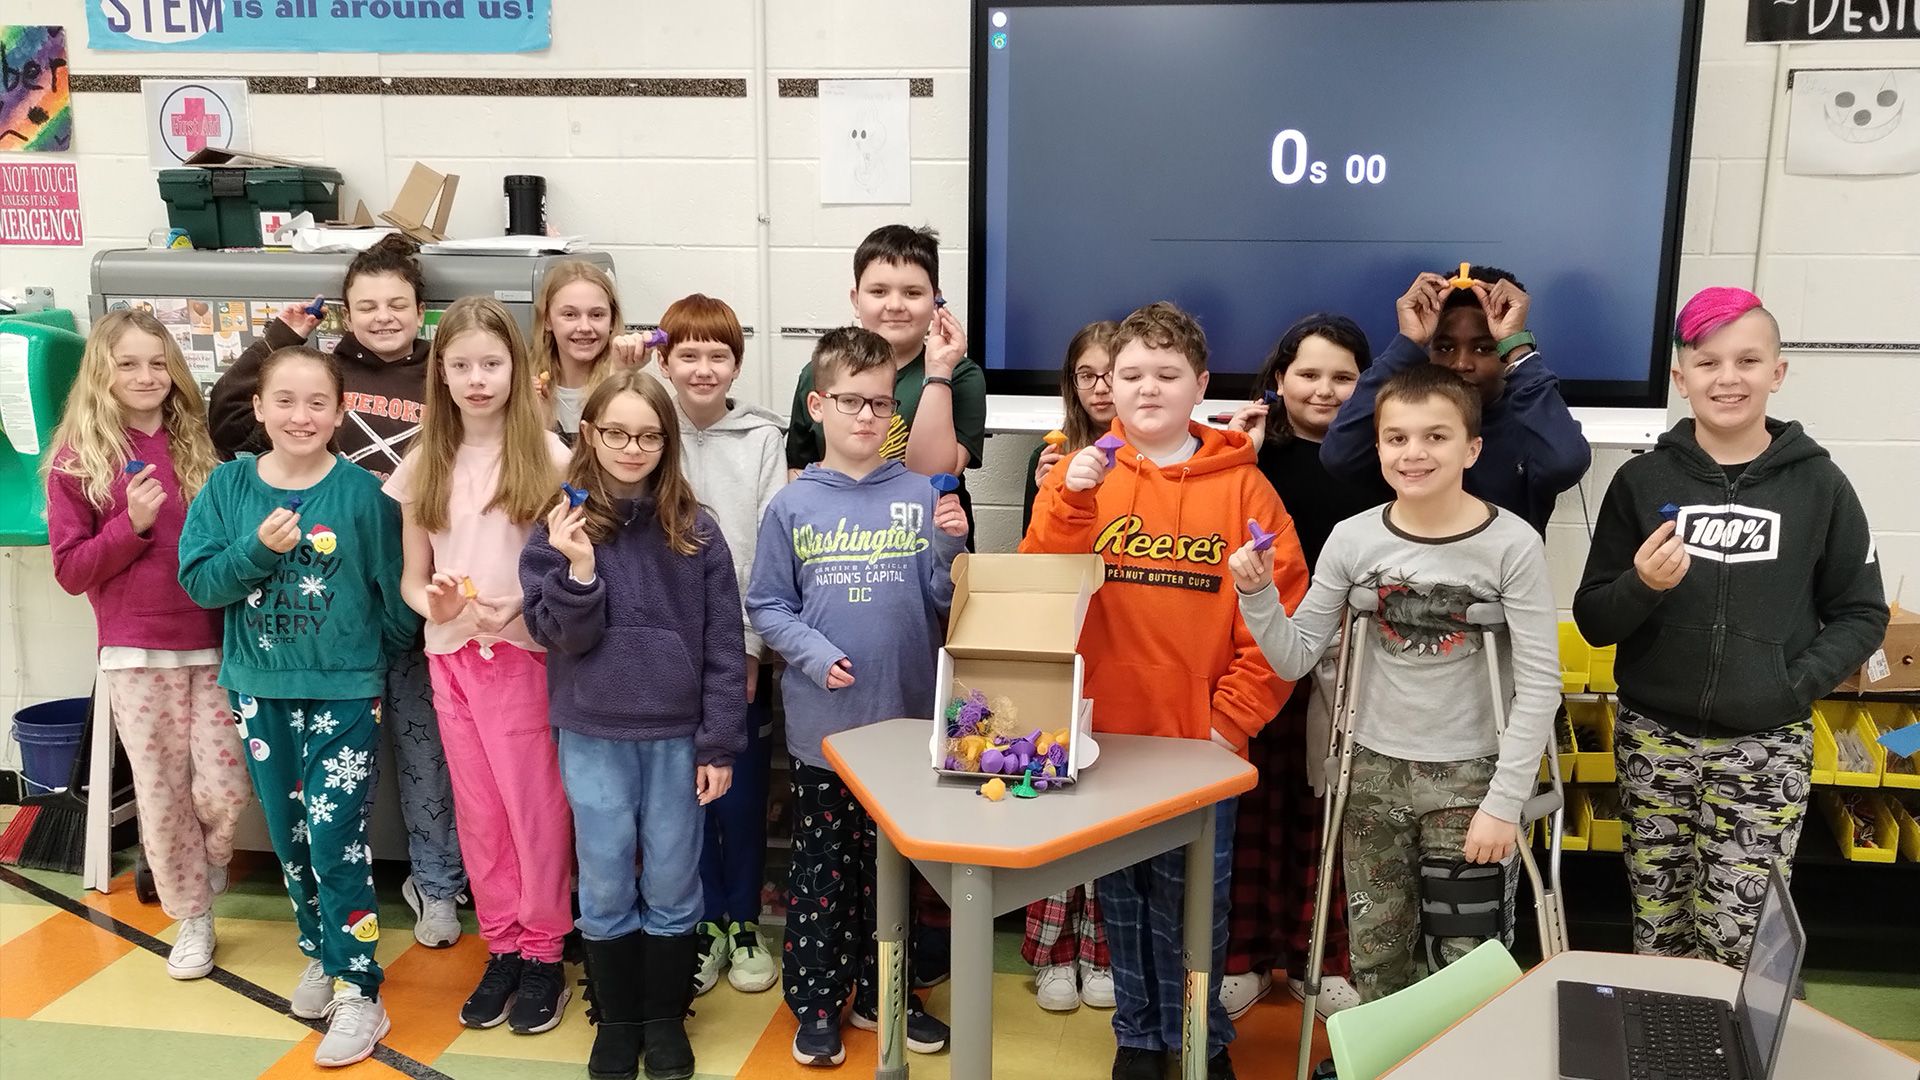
(1516, 1033)
(1145, 796)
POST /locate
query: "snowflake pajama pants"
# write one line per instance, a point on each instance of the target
(312, 766)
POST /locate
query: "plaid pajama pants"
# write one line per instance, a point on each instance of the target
(1276, 859)
(1064, 928)
(1143, 909)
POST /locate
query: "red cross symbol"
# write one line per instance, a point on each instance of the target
(195, 124)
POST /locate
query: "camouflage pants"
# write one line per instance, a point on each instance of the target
(1398, 812)
(1705, 819)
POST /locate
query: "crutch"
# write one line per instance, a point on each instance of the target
(1489, 619)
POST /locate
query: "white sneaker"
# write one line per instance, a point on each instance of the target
(712, 957)
(354, 1025)
(435, 923)
(315, 992)
(1054, 989)
(1238, 993)
(1336, 994)
(216, 879)
(1096, 986)
(192, 955)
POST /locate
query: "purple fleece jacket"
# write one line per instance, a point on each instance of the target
(652, 648)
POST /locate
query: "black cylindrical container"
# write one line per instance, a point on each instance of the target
(526, 205)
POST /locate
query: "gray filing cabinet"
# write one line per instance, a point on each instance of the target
(215, 302)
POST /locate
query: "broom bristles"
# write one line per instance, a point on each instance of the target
(15, 838)
(57, 841)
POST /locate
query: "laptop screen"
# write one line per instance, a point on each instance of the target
(1766, 989)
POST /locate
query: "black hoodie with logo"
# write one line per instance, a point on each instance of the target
(1781, 600)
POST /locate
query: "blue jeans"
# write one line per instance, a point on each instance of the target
(1143, 908)
(633, 797)
(733, 864)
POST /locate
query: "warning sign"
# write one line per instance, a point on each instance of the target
(40, 205)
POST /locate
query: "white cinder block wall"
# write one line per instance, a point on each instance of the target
(667, 185)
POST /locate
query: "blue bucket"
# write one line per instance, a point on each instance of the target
(49, 735)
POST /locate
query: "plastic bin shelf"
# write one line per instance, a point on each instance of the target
(1909, 829)
(1593, 761)
(1579, 821)
(1576, 658)
(1885, 716)
(1602, 833)
(1886, 835)
(1568, 758)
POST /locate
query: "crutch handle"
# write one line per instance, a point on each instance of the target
(1539, 806)
(1362, 599)
(1487, 616)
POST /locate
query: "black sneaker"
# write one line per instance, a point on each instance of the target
(1134, 1063)
(931, 957)
(926, 1033)
(1220, 1066)
(541, 1000)
(818, 1043)
(488, 1003)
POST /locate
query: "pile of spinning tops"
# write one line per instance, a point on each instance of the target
(985, 738)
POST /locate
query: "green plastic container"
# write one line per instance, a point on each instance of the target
(221, 208)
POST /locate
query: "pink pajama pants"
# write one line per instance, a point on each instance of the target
(516, 832)
(189, 779)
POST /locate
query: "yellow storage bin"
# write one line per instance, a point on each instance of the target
(1576, 658)
(1855, 722)
(1593, 739)
(1568, 758)
(1601, 825)
(1579, 820)
(1886, 835)
(1895, 771)
(1824, 750)
(1600, 671)
(1908, 826)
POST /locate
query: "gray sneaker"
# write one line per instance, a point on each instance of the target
(355, 1024)
(435, 922)
(313, 995)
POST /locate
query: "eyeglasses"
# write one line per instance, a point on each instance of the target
(851, 404)
(614, 438)
(1085, 380)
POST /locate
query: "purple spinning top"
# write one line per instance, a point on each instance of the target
(944, 483)
(1670, 512)
(939, 301)
(1270, 397)
(316, 309)
(1262, 539)
(1110, 445)
(134, 466)
(655, 338)
(575, 496)
(293, 502)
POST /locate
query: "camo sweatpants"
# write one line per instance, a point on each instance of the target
(1705, 819)
(1399, 812)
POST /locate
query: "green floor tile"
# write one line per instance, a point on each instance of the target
(52, 1052)
(1885, 1005)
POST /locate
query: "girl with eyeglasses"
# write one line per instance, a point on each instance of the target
(633, 593)
(1086, 389)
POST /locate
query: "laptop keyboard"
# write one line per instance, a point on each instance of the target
(1673, 1038)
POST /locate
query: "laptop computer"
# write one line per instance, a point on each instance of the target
(1620, 1033)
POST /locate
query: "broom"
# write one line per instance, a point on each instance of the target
(49, 832)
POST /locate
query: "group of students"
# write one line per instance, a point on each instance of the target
(562, 587)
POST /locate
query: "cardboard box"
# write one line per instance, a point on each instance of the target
(424, 192)
(1895, 665)
(1013, 632)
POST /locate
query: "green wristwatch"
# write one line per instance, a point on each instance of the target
(1508, 344)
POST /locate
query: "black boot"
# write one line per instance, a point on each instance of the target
(615, 970)
(666, 993)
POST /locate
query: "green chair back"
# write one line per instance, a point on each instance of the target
(39, 353)
(1369, 1039)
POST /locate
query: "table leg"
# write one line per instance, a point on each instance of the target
(1198, 946)
(890, 930)
(972, 897)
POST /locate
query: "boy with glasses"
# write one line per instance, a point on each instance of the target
(851, 585)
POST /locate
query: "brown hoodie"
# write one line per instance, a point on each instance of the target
(384, 401)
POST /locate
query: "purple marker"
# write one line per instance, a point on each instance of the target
(1262, 539)
(1110, 445)
(575, 496)
(1270, 397)
(1670, 512)
(316, 309)
(134, 466)
(944, 483)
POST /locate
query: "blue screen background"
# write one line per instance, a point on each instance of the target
(1128, 157)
